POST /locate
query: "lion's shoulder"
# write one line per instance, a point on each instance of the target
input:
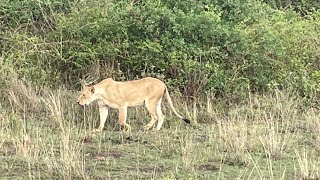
(107, 81)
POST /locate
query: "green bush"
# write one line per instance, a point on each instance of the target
(31, 15)
(226, 47)
(303, 7)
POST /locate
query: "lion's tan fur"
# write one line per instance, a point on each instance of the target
(121, 95)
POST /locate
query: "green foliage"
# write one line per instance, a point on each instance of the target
(303, 7)
(227, 47)
(32, 16)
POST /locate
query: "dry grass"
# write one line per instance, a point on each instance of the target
(307, 167)
(44, 135)
(24, 98)
(234, 139)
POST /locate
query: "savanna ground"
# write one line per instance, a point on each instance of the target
(44, 134)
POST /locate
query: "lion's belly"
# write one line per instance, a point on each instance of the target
(120, 103)
(135, 103)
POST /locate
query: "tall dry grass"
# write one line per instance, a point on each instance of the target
(40, 125)
(306, 167)
(45, 128)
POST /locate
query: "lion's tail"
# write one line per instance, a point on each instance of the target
(172, 107)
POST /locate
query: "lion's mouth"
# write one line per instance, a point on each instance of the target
(81, 105)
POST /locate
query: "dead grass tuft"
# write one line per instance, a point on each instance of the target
(24, 98)
(307, 167)
(52, 104)
(235, 140)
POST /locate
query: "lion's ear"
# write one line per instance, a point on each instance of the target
(92, 90)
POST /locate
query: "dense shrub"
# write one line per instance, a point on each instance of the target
(227, 47)
(303, 7)
(31, 16)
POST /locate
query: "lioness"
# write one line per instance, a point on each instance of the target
(121, 95)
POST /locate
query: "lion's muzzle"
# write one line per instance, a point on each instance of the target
(81, 105)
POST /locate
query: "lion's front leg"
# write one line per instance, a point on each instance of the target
(103, 110)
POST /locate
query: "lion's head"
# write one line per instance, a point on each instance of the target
(87, 96)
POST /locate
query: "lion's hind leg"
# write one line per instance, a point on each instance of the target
(160, 115)
(152, 108)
